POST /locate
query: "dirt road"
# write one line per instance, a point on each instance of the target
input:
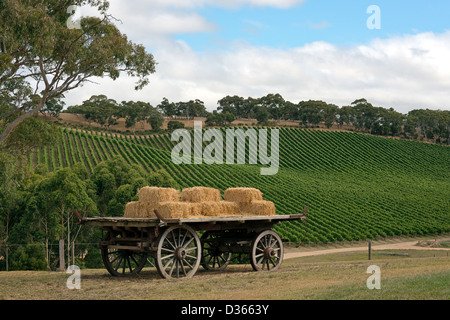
(408, 245)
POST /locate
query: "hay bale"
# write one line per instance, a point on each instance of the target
(133, 210)
(219, 209)
(242, 195)
(200, 194)
(158, 195)
(148, 210)
(174, 210)
(195, 210)
(257, 208)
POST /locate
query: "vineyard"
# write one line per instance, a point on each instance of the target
(357, 186)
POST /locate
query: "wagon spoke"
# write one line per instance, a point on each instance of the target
(188, 243)
(168, 263)
(182, 267)
(190, 265)
(190, 249)
(167, 256)
(118, 264)
(129, 264)
(174, 240)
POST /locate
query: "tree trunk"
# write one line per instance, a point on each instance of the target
(13, 125)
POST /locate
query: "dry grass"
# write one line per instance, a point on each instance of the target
(422, 275)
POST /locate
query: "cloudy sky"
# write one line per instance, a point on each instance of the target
(335, 51)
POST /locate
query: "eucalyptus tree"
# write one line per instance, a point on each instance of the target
(43, 55)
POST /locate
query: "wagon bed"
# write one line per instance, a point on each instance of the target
(142, 222)
(174, 247)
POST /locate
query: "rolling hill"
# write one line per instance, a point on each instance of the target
(357, 186)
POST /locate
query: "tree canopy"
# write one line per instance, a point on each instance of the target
(42, 58)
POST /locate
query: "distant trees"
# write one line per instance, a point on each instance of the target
(105, 112)
(189, 109)
(360, 114)
(433, 125)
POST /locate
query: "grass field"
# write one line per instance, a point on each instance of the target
(422, 275)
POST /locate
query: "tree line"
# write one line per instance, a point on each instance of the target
(361, 115)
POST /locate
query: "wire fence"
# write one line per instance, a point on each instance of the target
(50, 256)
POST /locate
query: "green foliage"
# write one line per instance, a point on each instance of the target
(357, 186)
(37, 47)
(30, 134)
(162, 179)
(174, 125)
(29, 257)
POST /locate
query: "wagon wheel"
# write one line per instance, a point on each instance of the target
(179, 253)
(267, 251)
(212, 257)
(121, 262)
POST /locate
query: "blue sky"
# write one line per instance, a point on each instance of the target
(336, 22)
(301, 49)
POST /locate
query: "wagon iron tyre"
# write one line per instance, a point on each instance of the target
(212, 258)
(267, 251)
(121, 262)
(179, 252)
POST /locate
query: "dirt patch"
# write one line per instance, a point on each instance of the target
(407, 245)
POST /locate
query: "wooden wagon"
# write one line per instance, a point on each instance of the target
(177, 249)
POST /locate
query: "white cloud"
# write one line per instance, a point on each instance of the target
(189, 4)
(404, 72)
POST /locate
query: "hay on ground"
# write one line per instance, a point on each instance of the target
(240, 195)
(257, 208)
(219, 209)
(158, 195)
(200, 194)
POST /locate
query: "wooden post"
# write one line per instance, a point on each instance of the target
(73, 253)
(6, 254)
(62, 263)
(370, 250)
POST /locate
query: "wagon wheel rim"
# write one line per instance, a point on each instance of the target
(179, 253)
(121, 263)
(212, 257)
(267, 251)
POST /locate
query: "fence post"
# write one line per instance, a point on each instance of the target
(6, 254)
(73, 253)
(370, 250)
(62, 263)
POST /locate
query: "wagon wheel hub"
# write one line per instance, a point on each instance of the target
(180, 253)
(269, 253)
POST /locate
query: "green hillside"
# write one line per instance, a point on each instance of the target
(357, 186)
